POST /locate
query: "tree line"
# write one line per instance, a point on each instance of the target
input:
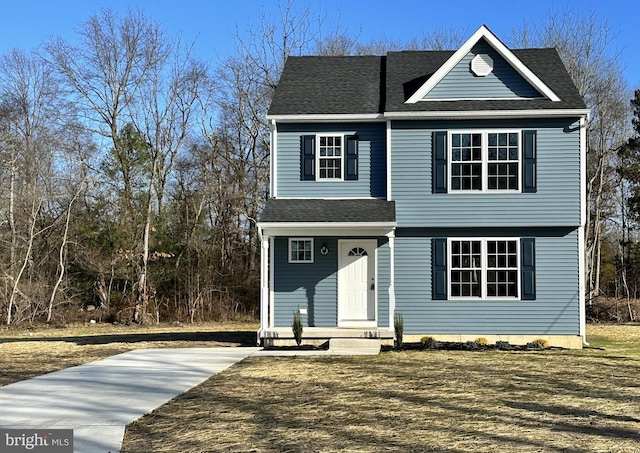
(134, 171)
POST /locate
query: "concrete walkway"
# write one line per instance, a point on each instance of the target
(99, 399)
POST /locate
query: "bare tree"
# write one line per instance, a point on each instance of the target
(168, 101)
(245, 87)
(107, 67)
(36, 116)
(585, 45)
(138, 86)
(439, 39)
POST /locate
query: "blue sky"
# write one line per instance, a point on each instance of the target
(25, 24)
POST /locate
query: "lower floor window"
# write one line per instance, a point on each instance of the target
(301, 250)
(483, 268)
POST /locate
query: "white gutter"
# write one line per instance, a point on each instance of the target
(443, 114)
(328, 229)
(487, 114)
(320, 117)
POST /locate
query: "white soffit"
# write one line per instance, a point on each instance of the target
(498, 46)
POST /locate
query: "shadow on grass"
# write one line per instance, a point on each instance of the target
(232, 338)
(448, 402)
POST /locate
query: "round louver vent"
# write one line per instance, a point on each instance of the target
(482, 65)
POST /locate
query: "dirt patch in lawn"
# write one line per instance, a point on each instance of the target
(447, 401)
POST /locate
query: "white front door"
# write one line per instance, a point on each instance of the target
(357, 283)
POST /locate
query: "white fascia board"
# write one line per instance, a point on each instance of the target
(328, 228)
(498, 46)
(338, 118)
(488, 114)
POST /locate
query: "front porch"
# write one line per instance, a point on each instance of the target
(320, 336)
(333, 261)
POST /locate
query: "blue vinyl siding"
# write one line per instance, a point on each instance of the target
(503, 83)
(306, 285)
(555, 311)
(555, 203)
(314, 286)
(372, 163)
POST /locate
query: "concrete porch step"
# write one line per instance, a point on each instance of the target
(355, 346)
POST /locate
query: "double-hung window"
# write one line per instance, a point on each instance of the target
(466, 161)
(484, 161)
(330, 157)
(503, 161)
(484, 268)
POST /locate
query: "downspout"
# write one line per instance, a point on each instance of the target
(273, 157)
(389, 195)
(581, 230)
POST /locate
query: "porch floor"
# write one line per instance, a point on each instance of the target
(317, 336)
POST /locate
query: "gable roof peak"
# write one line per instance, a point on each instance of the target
(483, 33)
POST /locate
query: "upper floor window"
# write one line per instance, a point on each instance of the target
(484, 161)
(330, 157)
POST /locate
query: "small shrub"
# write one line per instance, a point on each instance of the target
(296, 326)
(482, 341)
(471, 345)
(429, 342)
(544, 344)
(398, 325)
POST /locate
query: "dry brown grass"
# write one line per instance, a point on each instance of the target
(26, 354)
(447, 401)
(583, 401)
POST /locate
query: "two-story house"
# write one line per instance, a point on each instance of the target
(446, 186)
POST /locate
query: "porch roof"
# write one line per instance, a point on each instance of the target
(290, 211)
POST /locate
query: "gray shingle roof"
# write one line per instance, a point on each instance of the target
(279, 210)
(367, 84)
(329, 85)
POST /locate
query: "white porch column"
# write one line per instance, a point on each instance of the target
(392, 279)
(264, 283)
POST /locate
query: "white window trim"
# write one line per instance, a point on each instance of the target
(485, 160)
(292, 261)
(318, 157)
(483, 268)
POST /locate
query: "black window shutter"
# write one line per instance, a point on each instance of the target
(528, 268)
(439, 152)
(351, 166)
(529, 145)
(307, 158)
(439, 268)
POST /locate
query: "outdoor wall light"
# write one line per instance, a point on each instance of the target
(324, 249)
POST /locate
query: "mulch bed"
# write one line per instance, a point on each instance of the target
(468, 346)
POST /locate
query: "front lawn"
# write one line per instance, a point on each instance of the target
(412, 401)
